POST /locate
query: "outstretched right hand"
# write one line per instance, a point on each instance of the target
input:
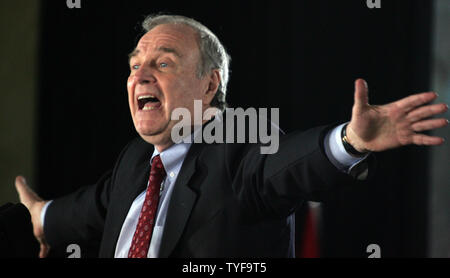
(34, 204)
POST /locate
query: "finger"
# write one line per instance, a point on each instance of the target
(22, 189)
(422, 139)
(426, 111)
(26, 194)
(429, 124)
(412, 101)
(361, 93)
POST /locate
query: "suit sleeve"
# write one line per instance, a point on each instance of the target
(80, 215)
(275, 185)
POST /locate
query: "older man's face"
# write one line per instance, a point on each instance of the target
(163, 77)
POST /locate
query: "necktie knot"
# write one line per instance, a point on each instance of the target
(157, 167)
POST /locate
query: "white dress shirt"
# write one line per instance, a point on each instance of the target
(172, 159)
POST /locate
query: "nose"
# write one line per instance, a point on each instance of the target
(144, 75)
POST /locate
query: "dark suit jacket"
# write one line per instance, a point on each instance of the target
(228, 200)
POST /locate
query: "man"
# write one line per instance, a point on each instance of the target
(214, 200)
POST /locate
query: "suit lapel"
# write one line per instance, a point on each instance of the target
(182, 201)
(129, 186)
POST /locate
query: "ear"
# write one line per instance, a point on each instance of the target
(212, 86)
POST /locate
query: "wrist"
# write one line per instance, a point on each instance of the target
(350, 145)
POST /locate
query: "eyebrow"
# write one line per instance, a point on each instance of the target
(136, 51)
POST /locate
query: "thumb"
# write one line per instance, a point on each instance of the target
(361, 94)
(26, 194)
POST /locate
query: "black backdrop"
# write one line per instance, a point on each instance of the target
(300, 56)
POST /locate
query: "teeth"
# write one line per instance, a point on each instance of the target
(148, 108)
(143, 97)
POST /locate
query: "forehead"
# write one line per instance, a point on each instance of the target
(180, 39)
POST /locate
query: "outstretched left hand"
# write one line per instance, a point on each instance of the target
(381, 127)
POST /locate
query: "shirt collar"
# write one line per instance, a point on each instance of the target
(172, 158)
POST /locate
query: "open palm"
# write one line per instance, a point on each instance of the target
(399, 123)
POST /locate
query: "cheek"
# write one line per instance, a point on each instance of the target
(130, 83)
(130, 88)
(188, 90)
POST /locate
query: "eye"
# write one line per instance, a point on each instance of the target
(163, 65)
(135, 67)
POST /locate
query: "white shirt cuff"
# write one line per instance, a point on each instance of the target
(43, 211)
(336, 152)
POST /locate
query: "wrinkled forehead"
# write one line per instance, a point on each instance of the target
(177, 38)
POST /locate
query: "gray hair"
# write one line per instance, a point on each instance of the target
(212, 52)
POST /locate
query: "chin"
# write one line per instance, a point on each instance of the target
(148, 127)
(145, 132)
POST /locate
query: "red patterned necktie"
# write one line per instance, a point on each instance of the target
(143, 234)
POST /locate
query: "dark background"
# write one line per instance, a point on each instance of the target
(300, 56)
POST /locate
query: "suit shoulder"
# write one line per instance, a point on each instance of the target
(136, 149)
(139, 143)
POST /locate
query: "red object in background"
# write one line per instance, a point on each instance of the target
(309, 247)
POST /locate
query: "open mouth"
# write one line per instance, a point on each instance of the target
(148, 102)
